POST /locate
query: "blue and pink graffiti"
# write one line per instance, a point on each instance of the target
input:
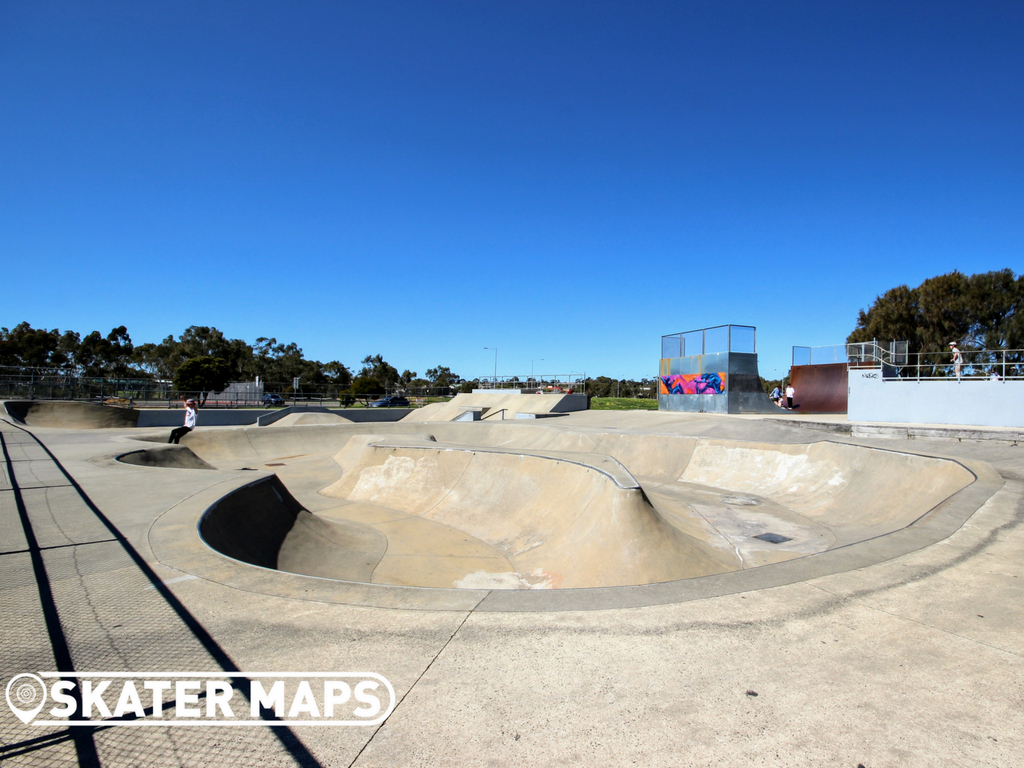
(693, 384)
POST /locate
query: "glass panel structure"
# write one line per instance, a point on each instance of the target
(709, 341)
(743, 338)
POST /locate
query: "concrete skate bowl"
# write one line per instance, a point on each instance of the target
(539, 509)
(70, 415)
(168, 456)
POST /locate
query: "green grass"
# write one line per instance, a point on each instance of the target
(623, 404)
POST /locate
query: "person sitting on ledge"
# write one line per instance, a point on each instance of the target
(190, 422)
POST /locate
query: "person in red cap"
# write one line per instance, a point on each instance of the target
(190, 422)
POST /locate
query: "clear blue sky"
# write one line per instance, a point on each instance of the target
(561, 180)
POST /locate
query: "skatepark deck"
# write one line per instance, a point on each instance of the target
(901, 649)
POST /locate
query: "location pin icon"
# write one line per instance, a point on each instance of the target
(22, 692)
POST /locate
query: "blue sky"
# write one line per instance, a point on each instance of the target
(563, 181)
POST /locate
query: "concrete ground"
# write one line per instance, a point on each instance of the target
(911, 661)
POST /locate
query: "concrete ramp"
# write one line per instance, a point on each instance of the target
(171, 456)
(820, 388)
(855, 492)
(70, 415)
(536, 521)
(496, 406)
(262, 524)
(307, 419)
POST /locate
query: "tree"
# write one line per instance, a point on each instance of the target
(95, 355)
(983, 311)
(117, 352)
(160, 360)
(367, 386)
(602, 386)
(203, 375)
(374, 366)
(280, 363)
(442, 377)
(111, 356)
(28, 346)
(204, 341)
(340, 375)
(164, 359)
(945, 314)
(895, 315)
(997, 299)
(68, 345)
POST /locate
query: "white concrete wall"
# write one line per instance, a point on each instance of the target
(977, 402)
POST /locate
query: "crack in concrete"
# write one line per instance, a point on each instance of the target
(411, 687)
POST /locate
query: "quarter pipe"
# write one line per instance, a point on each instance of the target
(820, 388)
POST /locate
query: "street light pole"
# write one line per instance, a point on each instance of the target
(495, 365)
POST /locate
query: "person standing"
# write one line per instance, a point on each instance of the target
(190, 422)
(789, 396)
(957, 358)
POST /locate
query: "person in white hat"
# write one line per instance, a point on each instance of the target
(190, 422)
(957, 358)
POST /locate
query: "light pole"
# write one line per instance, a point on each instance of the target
(495, 365)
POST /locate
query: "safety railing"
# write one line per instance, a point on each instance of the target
(548, 383)
(886, 353)
(975, 364)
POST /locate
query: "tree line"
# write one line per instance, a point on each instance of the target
(203, 359)
(980, 311)
(116, 356)
(200, 358)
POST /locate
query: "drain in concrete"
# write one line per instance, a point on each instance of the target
(773, 538)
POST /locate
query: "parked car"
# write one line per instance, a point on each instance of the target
(271, 401)
(394, 401)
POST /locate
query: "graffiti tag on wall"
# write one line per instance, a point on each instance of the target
(693, 384)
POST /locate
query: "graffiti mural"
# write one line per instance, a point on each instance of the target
(693, 384)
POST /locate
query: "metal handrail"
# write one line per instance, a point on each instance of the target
(893, 353)
(976, 365)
